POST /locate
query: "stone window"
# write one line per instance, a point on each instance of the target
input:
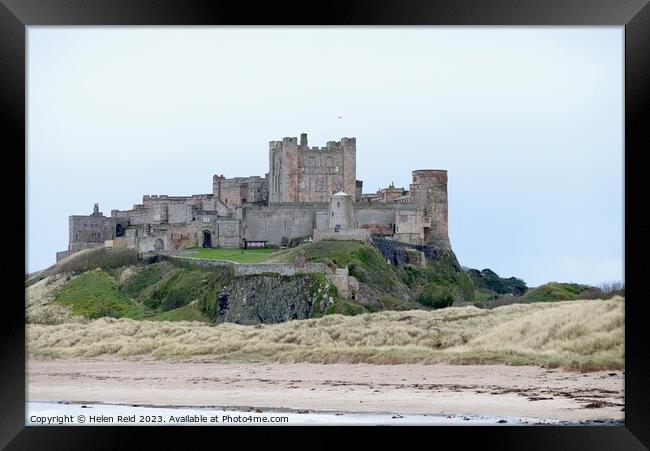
(338, 204)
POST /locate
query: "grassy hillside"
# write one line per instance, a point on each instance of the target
(94, 283)
(143, 289)
(582, 335)
(554, 291)
(436, 285)
(118, 283)
(95, 294)
(164, 290)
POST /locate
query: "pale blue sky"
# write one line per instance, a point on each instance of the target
(528, 121)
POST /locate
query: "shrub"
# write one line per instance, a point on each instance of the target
(436, 297)
(491, 280)
(466, 288)
(605, 290)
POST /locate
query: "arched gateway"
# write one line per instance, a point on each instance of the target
(207, 238)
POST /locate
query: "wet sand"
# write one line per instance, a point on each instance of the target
(441, 389)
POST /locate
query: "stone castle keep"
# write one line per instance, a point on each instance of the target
(308, 192)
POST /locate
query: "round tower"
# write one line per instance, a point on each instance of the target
(341, 215)
(429, 193)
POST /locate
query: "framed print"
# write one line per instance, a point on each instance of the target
(368, 214)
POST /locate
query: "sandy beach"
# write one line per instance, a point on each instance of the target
(439, 389)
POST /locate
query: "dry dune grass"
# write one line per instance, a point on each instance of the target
(583, 335)
(39, 307)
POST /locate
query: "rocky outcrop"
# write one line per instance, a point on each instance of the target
(401, 254)
(269, 298)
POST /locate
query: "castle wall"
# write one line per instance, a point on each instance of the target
(163, 209)
(279, 224)
(61, 255)
(177, 212)
(378, 218)
(429, 194)
(238, 191)
(174, 210)
(341, 212)
(153, 243)
(137, 216)
(243, 269)
(285, 269)
(342, 235)
(408, 227)
(322, 219)
(229, 233)
(86, 232)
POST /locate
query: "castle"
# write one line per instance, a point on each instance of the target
(308, 192)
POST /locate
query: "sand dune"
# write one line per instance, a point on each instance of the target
(586, 335)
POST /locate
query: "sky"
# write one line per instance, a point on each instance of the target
(528, 122)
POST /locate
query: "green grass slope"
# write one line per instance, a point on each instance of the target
(554, 291)
(95, 294)
(138, 291)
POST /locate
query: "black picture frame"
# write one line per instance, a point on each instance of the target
(634, 15)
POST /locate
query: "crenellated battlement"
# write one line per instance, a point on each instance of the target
(300, 173)
(303, 146)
